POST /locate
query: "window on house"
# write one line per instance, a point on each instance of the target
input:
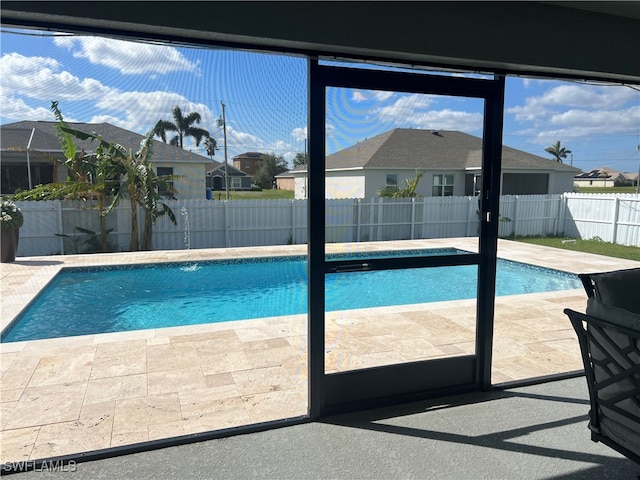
(236, 182)
(525, 183)
(392, 180)
(164, 172)
(472, 184)
(442, 185)
(247, 164)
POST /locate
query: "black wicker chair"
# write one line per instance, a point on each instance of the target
(611, 356)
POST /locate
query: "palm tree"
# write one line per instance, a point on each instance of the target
(183, 126)
(210, 146)
(557, 151)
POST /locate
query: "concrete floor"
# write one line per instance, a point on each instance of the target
(535, 432)
(79, 394)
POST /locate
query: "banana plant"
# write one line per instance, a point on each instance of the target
(92, 175)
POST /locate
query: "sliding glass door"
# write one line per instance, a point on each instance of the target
(397, 255)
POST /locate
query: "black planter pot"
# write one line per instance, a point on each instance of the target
(9, 244)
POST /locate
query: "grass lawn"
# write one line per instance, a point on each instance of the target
(588, 246)
(263, 195)
(607, 190)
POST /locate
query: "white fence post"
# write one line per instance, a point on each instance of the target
(380, 218)
(359, 220)
(516, 215)
(469, 216)
(614, 225)
(413, 218)
(225, 206)
(60, 226)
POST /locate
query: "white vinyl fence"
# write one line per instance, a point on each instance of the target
(51, 227)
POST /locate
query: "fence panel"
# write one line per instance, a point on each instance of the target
(258, 222)
(609, 217)
(628, 222)
(41, 221)
(449, 217)
(237, 223)
(530, 215)
(341, 220)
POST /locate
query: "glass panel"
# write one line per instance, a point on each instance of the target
(218, 337)
(427, 142)
(573, 134)
(397, 316)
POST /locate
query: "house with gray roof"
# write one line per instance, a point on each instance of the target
(30, 154)
(450, 160)
(605, 177)
(238, 180)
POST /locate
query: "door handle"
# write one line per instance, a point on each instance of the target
(352, 267)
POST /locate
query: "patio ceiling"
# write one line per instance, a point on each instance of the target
(534, 38)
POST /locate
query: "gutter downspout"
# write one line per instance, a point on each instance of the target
(33, 131)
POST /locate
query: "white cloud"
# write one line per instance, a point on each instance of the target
(244, 140)
(129, 58)
(140, 111)
(299, 133)
(414, 110)
(366, 95)
(15, 109)
(575, 124)
(41, 78)
(359, 96)
(573, 96)
(574, 111)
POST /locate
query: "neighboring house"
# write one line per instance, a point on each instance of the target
(28, 157)
(285, 180)
(631, 179)
(605, 177)
(238, 180)
(450, 160)
(34, 143)
(248, 162)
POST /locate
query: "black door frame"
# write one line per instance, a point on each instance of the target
(329, 393)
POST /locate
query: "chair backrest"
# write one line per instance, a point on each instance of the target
(619, 288)
(588, 284)
(611, 358)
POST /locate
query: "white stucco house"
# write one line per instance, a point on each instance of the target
(450, 160)
(28, 150)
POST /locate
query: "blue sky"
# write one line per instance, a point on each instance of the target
(133, 85)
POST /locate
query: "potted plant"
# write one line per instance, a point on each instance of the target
(11, 220)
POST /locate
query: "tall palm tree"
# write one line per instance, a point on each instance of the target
(210, 146)
(183, 126)
(558, 151)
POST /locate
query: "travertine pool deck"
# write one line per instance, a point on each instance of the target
(75, 394)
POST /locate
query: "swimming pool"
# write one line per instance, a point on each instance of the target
(89, 300)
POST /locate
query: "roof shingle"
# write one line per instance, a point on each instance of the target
(16, 135)
(428, 149)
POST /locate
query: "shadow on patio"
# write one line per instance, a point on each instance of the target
(534, 432)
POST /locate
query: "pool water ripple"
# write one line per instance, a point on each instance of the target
(99, 300)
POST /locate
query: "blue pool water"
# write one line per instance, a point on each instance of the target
(82, 301)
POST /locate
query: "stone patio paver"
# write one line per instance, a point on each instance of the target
(65, 396)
